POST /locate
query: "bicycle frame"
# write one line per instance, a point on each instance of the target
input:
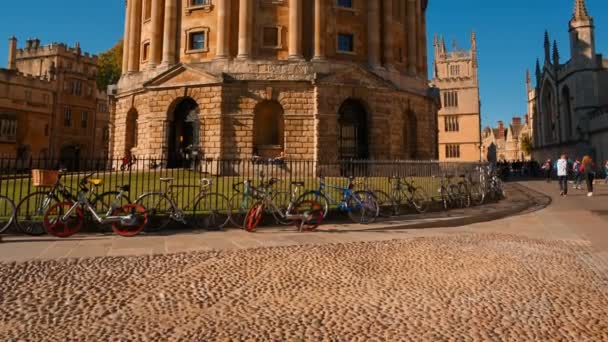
(83, 202)
(346, 194)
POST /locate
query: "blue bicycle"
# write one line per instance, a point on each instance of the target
(361, 206)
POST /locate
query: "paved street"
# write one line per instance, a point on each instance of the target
(540, 275)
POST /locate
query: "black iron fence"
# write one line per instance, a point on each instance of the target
(144, 174)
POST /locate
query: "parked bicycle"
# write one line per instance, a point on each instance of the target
(403, 192)
(7, 213)
(241, 202)
(450, 194)
(361, 206)
(66, 218)
(306, 215)
(210, 210)
(29, 213)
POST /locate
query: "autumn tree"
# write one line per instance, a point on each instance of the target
(526, 144)
(109, 66)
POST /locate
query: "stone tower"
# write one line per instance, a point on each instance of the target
(582, 36)
(455, 73)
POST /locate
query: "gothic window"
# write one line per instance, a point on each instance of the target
(454, 70)
(452, 151)
(451, 123)
(346, 42)
(8, 129)
(67, 117)
(567, 111)
(450, 99)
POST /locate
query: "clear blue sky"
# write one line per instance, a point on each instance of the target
(509, 33)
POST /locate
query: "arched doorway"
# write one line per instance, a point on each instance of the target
(183, 130)
(268, 127)
(353, 131)
(69, 157)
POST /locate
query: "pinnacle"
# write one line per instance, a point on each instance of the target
(580, 11)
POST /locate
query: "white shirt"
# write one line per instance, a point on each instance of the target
(562, 167)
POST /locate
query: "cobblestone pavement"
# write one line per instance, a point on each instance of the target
(482, 286)
(538, 276)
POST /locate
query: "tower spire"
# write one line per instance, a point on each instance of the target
(580, 10)
(555, 54)
(547, 48)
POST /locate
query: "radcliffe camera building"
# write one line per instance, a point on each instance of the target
(569, 104)
(317, 80)
(50, 106)
(455, 73)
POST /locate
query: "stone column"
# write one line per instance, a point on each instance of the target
(412, 53)
(319, 36)
(420, 38)
(126, 41)
(222, 24)
(373, 33)
(135, 36)
(156, 42)
(170, 32)
(245, 12)
(387, 33)
(295, 30)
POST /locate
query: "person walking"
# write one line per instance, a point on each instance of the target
(588, 169)
(547, 166)
(576, 170)
(562, 175)
(606, 172)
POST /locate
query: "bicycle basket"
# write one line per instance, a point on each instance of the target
(44, 177)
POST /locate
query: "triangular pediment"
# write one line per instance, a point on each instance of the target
(355, 76)
(183, 75)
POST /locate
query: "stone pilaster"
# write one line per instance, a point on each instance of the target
(319, 30)
(135, 36)
(222, 26)
(156, 42)
(387, 34)
(373, 33)
(126, 40)
(412, 38)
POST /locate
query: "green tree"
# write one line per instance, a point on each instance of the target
(109, 66)
(526, 144)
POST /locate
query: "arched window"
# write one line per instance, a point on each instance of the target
(131, 130)
(549, 116)
(268, 126)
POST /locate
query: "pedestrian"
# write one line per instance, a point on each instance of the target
(547, 169)
(588, 169)
(562, 175)
(606, 172)
(576, 170)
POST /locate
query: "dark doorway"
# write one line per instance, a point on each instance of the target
(69, 157)
(353, 142)
(183, 141)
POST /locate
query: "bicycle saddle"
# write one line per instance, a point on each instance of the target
(167, 180)
(125, 188)
(297, 183)
(95, 181)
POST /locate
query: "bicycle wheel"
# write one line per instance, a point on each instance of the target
(388, 207)
(159, 208)
(363, 207)
(477, 194)
(454, 200)
(239, 207)
(57, 225)
(465, 195)
(315, 196)
(211, 211)
(420, 200)
(313, 211)
(134, 221)
(104, 202)
(254, 216)
(7, 213)
(282, 201)
(29, 214)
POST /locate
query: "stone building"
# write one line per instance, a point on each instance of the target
(307, 79)
(570, 100)
(50, 105)
(455, 73)
(505, 143)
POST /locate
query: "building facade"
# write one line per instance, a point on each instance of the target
(50, 104)
(570, 100)
(303, 79)
(455, 73)
(507, 143)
